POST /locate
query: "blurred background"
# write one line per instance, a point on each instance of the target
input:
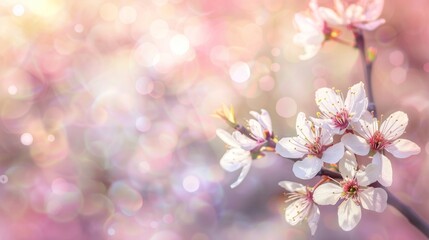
(106, 120)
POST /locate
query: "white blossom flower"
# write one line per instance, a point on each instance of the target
(354, 191)
(313, 142)
(378, 139)
(236, 156)
(336, 113)
(312, 30)
(362, 14)
(302, 206)
(240, 146)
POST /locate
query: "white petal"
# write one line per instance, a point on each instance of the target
(366, 126)
(374, 9)
(355, 94)
(309, 52)
(358, 110)
(313, 218)
(348, 165)
(333, 154)
(297, 211)
(355, 144)
(227, 138)
(339, 6)
(291, 147)
(369, 175)
(349, 214)
(244, 141)
(386, 175)
(292, 186)
(370, 26)
(234, 159)
(330, 16)
(403, 148)
(256, 129)
(327, 194)
(242, 175)
(266, 121)
(328, 101)
(304, 127)
(307, 168)
(394, 126)
(354, 13)
(374, 199)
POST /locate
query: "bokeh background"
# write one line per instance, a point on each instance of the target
(106, 120)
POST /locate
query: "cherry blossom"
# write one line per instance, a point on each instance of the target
(302, 206)
(361, 14)
(354, 192)
(314, 143)
(312, 31)
(378, 139)
(241, 147)
(336, 114)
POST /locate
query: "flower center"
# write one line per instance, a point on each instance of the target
(350, 188)
(377, 141)
(341, 120)
(316, 148)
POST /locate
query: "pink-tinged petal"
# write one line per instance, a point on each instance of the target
(355, 144)
(307, 168)
(403, 148)
(244, 141)
(234, 159)
(313, 218)
(333, 154)
(304, 127)
(348, 165)
(374, 9)
(394, 125)
(242, 175)
(386, 175)
(349, 215)
(256, 129)
(291, 147)
(330, 16)
(327, 194)
(227, 138)
(370, 26)
(374, 199)
(369, 175)
(292, 186)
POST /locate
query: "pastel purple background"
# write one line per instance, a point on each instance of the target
(106, 127)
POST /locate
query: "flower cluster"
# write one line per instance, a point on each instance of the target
(319, 23)
(314, 146)
(327, 145)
